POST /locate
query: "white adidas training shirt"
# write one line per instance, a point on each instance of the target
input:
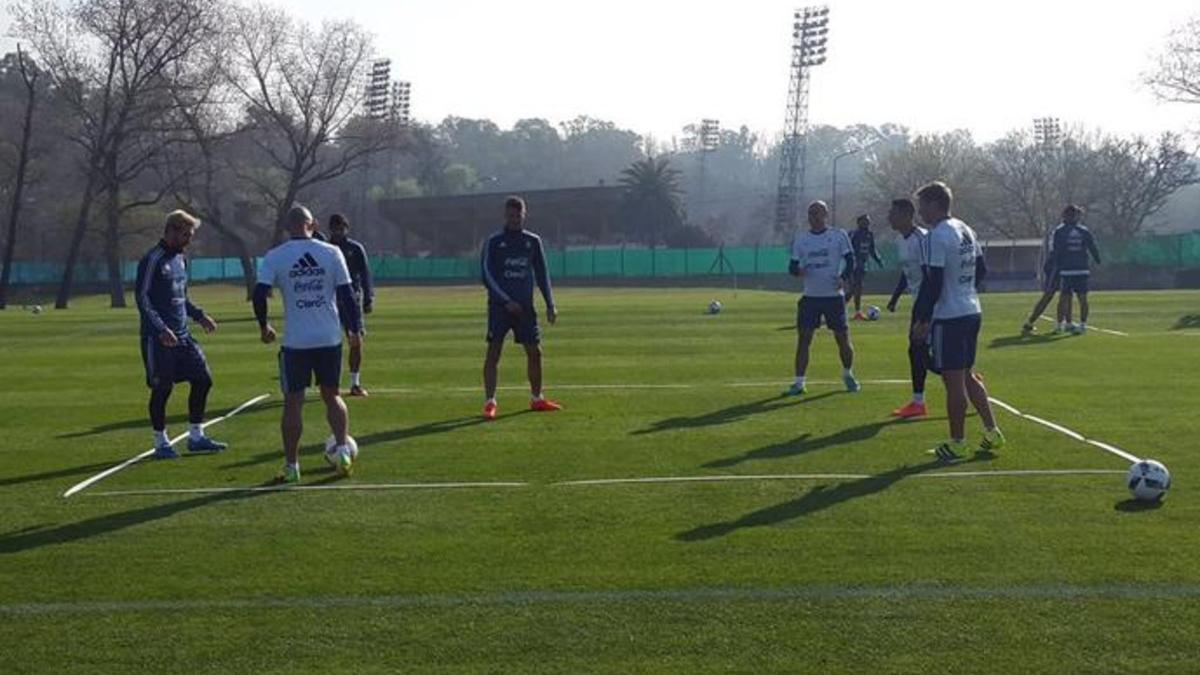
(307, 272)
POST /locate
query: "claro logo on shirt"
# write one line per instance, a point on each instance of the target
(307, 266)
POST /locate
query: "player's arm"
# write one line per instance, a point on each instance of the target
(199, 316)
(364, 273)
(934, 271)
(145, 282)
(1091, 245)
(848, 265)
(981, 270)
(346, 302)
(901, 286)
(541, 275)
(875, 254)
(488, 276)
(258, 299)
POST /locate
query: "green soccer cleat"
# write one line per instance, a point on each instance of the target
(289, 476)
(345, 463)
(992, 441)
(851, 383)
(795, 390)
(950, 451)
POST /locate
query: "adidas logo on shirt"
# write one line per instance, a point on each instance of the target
(306, 266)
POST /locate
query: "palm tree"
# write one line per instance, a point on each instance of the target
(652, 203)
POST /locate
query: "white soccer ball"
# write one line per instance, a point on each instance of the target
(873, 313)
(37, 309)
(1148, 480)
(331, 449)
(715, 307)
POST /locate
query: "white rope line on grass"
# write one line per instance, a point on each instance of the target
(81, 486)
(925, 591)
(1131, 458)
(1090, 327)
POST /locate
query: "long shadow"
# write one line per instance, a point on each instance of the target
(60, 473)
(144, 423)
(29, 538)
(1026, 340)
(1187, 321)
(1136, 506)
(428, 429)
(803, 444)
(731, 414)
(817, 499)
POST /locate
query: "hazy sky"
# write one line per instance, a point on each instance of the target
(656, 65)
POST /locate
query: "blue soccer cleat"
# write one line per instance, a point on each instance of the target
(165, 451)
(795, 390)
(205, 444)
(852, 384)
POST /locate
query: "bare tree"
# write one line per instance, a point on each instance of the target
(115, 63)
(303, 89)
(1138, 177)
(29, 77)
(1177, 75)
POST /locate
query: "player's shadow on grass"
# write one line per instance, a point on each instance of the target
(60, 473)
(144, 422)
(803, 444)
(1026, 340)
(29, 538)
(1187, 321)
(731, 414)
(817, 499)
(428, 429)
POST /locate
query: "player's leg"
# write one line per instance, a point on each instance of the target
(158, 422)
(194, 367)
(808, 319)
(356, 356)
(1064, 308)
(160, 378)
(948, 359)
(295, 375)
(327, 369)
(917, 355)
(1081, 290)
(499, 324)
(858, 280)
(1038, 309)
(529, 336)
(835, 318)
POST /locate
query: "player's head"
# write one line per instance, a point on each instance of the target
(179, 229)
(818, 215)
(900, 215)
(514, 213)
(1072, 214)
(863, 222)
(299, 221)
(339, 227)
(934, 202)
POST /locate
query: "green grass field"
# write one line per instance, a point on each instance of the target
(879, 561)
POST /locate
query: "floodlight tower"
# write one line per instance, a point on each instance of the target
(810, 31)
(378, 88)
(401, 110)
(1047, 132)
(709, 140)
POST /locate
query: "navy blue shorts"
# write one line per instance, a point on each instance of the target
(525, 328)
(1075, 283)
(953, 342)
(811, 311)
(343, 314)
(298, 368)
(165, 366)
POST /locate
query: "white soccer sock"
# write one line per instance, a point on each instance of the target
(355, 379)
(799, 380)
(290, 465)
(847, 372)
(918, 397)
(536, 397)
(491, 400)
(195, 432)
(160, 438)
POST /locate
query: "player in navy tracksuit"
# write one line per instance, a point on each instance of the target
(862, 240)
(169, 352)
(512, 262)
(364, 294)
(1070, 246)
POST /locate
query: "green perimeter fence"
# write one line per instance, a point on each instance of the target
(1163, 252)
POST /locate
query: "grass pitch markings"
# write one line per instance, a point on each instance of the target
(79, 487)
(1091, 327)
(1131, 458)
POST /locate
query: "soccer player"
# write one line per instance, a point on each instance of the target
(169, 352)
(511, 264)
(912, 261)
(823, 256)
(863, 242)
(364, 294)
(314, 281)
(1069, 247)
(948, 313)
(1050, 286)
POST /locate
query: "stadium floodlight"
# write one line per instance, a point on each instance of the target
(810, 40)
(1047, 131)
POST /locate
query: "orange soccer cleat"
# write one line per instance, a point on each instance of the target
(910, 409)
(489, 410)
(543, 405)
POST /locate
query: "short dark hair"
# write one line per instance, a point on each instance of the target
(514, 202)
(864, 217)
(937, 193)
(338, 220)
(1074, 208)
(904, 206)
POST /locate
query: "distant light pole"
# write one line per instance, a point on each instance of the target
(836, 159)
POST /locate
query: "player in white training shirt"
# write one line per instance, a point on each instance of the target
(313, 280)
(824, 257)
(948, 313)
(913, 243)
